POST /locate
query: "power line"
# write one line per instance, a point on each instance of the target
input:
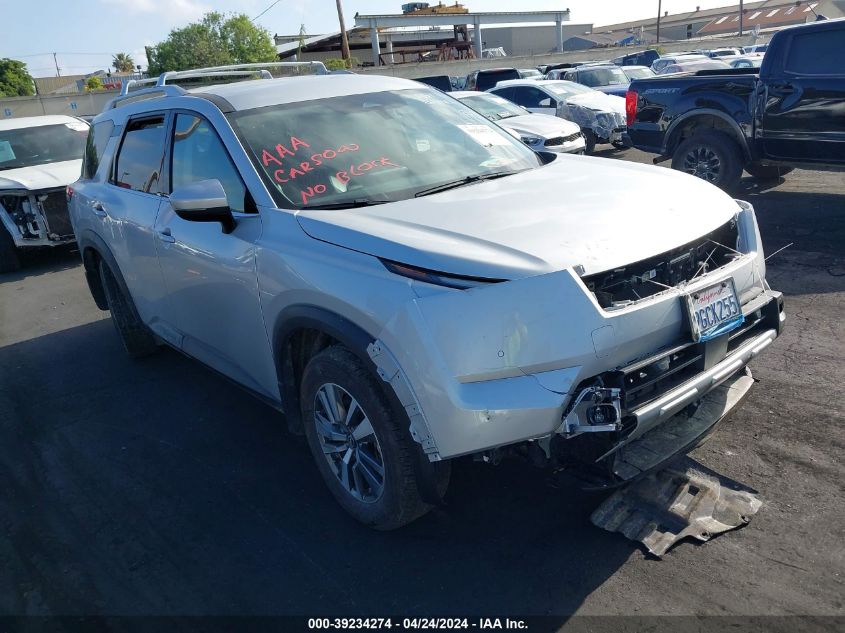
(266, 10)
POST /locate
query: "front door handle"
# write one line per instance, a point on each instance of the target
(783, 88)
(98, 209)
(165, 236)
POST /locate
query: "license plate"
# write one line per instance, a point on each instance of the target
(713, 311)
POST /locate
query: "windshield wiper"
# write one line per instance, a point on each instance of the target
(454, 184)
(349, 204)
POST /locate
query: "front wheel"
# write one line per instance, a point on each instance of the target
(361, 444)
(9, 261)
(711, 156)
(590, 141)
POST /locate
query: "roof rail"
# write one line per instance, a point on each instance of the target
(143, 94)
(230, 70)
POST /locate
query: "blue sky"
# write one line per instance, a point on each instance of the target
(85, 33)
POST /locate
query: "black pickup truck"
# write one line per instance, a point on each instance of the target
(715, 123)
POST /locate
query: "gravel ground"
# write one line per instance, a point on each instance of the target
(155, 487)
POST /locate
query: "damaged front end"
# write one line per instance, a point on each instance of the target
(38, 218)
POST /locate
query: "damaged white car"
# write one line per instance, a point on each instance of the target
(39, 157)
(600, 116)
(410, 284)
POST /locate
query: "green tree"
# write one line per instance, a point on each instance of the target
(15, 80)
(215, 40)
(123, 63)
(94, 83)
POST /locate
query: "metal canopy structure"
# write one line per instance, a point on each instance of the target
(375, 22)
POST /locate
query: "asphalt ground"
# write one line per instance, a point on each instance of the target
(155, 487)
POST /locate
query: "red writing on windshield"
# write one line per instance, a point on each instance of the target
(288, 173)
(282, 151)
(344, 176)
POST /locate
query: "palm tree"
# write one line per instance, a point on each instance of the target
(123, 63)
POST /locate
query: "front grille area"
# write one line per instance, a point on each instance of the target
(560, 140)
(54, 206)
(617, 287)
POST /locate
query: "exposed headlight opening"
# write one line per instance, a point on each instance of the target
(459, 282)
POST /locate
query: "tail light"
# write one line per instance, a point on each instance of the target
(69, 192)
(631, 107)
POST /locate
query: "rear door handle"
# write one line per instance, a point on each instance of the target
(165, 236)
(99, 209)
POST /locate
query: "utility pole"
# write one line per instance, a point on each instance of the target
(659, 13)
(344, 41)
(741, 16)
(55, 61)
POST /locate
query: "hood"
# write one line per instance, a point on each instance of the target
(598, 101)
(577, 210)
(541, 125)
(47, 176)
(618, 90)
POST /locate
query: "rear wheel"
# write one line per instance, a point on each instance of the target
(9, 261)
(135, 336)
(361, 444)
(711, 156)
(767, 172)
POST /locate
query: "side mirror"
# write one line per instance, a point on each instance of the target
(545, 103)
(203, 201)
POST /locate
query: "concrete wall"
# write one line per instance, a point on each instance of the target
(89, 103)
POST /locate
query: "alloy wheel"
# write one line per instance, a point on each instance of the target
(703, 162)
(349, 443)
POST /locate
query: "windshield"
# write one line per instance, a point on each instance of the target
(377, 147)
(43, 144)
(568, 88)
(602, 77)
(638, 73)
(493, 107)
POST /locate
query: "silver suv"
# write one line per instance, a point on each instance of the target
(408, 283)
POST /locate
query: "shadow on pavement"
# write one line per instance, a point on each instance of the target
(156, 487)
(36, 262)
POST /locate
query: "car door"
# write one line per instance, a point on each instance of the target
(804, 99)
(534, 100)
(210, 275)
(124, 210)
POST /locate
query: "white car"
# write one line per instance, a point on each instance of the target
(39, 157)
(600, 116)
(540, 132)
(409, 283)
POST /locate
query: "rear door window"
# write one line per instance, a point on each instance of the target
(138, 164)
(98, 138)
(818, 53)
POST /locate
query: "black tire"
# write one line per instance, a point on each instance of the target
(397, 501)
(135, 336)
(590, 141)
(767, 172)
(9, 261)
(712, 156)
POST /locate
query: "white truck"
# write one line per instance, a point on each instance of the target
(39, 157)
